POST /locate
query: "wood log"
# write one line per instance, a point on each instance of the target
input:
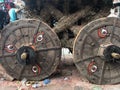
(50, 11)
(68, 21)
(68, 42)
(76, 28)
(54, 11)
(44, 15)
(66, 7)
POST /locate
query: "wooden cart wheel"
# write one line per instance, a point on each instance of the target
(97, 51)
(30, 49)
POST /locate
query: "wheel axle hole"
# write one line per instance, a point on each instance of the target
(39, 38)
(102, 32)
(94, 68)
(10, 48)
(35, 69)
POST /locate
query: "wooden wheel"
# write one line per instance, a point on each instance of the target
(97, 51)
(30, 49)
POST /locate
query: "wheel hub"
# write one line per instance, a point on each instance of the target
(112, 53)
(26, 55)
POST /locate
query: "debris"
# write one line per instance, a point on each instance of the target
(24, 80)
(66, 73)
(22, 88)
(66, 78)
(78, 88)
(36, 85)
(2, 79)
(96, 88)
(46, 81)
(28, 83)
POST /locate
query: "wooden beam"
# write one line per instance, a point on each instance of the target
(67, 21)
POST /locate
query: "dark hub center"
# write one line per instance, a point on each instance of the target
(112, 53)
(26, 55)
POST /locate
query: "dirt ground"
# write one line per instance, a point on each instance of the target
(67, 78)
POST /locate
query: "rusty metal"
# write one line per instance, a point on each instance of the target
(93, 51)
(29, 49)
